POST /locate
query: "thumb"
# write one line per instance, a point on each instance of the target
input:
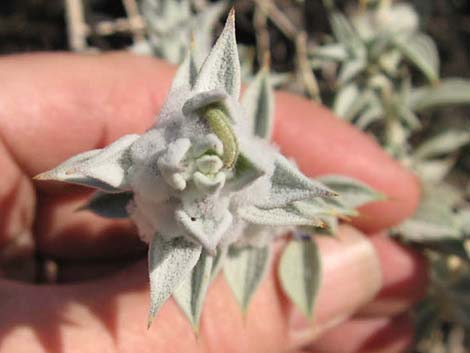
(110, 314)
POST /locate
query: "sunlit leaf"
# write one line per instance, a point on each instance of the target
(192, 291)
(244, 270)
(299, 273)
(258, 101)
(451, 91)
(442, 144)
(421, 50)
(170, 262)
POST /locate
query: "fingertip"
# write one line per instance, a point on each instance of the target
(378, 335)
(405, 277)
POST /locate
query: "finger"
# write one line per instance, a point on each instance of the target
(379, 335)
(109, 314)
(405, 274)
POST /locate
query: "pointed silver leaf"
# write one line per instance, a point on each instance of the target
(289, 184)
(104, 169)
(345, 99)
(207, 229)
(170, 262)
(352, 192)
(451, 91)
(186, 74)
(318, 208)
(300, 274)
(331, 52)
(221, 69)
(434, 170)
(444, 143)
(192, 291)
(286, 216)
(109, 205)
(350, 69)
(330, 227)
(410, 119)
(246, 172)
(244, 270)
(422, 52)
(218, 262)
(203, 99)
(346, 34)
(258, 101)
(434, 220)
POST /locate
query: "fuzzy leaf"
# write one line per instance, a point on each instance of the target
(221, 70)
(218, 262)
(244, 270)
(258, 101)
(330, 227)
(318, 208)
(170, 262)
(428, 228)
(442, 144)
(206, 228)
(286, 216)
(451, 91)
(421, 50)
(346, 34)
(191, 293)
(109, 205)
(344, 99)
(103, 169)
(245, 173)
(300, 274)
(203, 99)
(433, 220)
(349, 101)
(407, 116)
(186, 74)
(373, 112)
(289, 184)
(352, 192)
(433, 170)
(350, 69)
(331, 52)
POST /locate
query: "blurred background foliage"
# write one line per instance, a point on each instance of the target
(394, 86)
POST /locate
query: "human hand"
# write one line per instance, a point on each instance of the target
(56, 105)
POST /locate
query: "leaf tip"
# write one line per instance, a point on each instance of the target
(43, 176)
(382, 197)
(231, 17)
(196, 331)
(150, 320)
(82, 208)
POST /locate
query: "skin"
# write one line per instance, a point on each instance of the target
(56, 105)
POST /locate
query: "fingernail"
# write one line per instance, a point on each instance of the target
(351, 277)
